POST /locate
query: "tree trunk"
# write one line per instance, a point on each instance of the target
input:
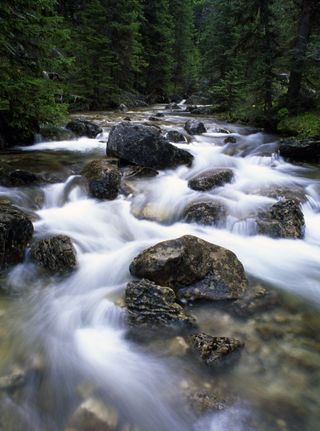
(299, 55)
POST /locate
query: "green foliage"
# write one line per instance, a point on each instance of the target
(158, 40)
(31, 34)
(305, 125)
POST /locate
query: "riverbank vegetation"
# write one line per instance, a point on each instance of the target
(256, 61)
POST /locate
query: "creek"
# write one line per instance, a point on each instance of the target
(74, 329)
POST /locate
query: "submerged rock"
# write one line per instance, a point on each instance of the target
(103, 178)
(196, 269)
(93, 415)
(207, 213)
(283, 220)
(84, 128)
(307, 150)
(194, 127)
(175, 136)
(211, 179)
(16, 231)
(216, 351)
(255, 299)
(55, 254)
(150, 305)
(144, 146)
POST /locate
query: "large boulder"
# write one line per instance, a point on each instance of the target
(103, 178)
(210, 179)
(283, 220)
(93, 415)
(207, 213)
(194, 268)
(153, 306)
(16, 231)
(216, 351)
(175, 136)
(307, 150)
(144, 146)
(194, 127)
(84, 128)
(55, 254)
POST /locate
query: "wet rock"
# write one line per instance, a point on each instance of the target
(123, 108)
(230, 140)
(84, 128)
(56, 133)
(206, 213)
(173, 106)
(160, 114)
(127, 119)
(55, 254)
(104, 179)
(154, 119)
(16, 231)
(175, 136)
(131, 172)
(153, 306)
(211, 179)
(307, 150)
(283, 220)
(221, 130)
(282, 193)
(11, 177)
(194, 127)
(255, 299)
(216, 351)
(93, 415)
(196, 269)
(144, 146)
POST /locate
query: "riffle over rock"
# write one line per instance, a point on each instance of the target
(195, 268)
(84, 128)
(207, 213)
(144, 146)
(150, 305)
(16, 231)
(103, 178)
(216, 351)
(211, 179)
(283, 220)
(55, 254)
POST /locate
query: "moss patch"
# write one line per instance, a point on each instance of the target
(306, 125)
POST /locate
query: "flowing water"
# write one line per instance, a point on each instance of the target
(71, 332)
